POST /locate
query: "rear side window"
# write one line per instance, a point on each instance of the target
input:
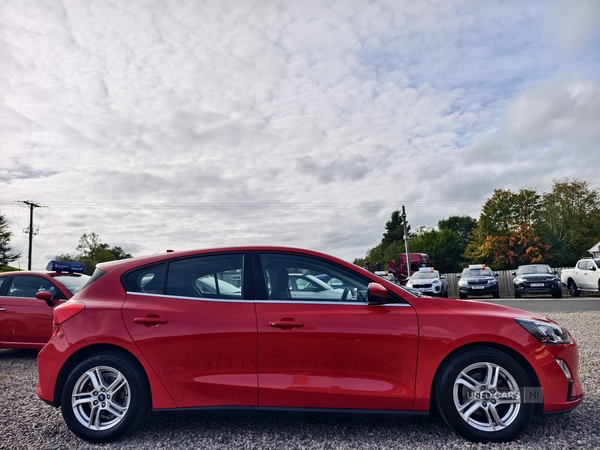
(211, 276)
(214, 276)
(149, 279)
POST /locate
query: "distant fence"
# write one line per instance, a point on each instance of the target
(504, 278)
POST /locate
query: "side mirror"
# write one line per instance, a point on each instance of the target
(514, 274)
(46, 296)
(376, 294)
(443, 277)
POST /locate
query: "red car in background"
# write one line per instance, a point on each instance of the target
(219, 330)
(27, 301)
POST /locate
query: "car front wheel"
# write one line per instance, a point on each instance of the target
(480, 395)
(105, 396)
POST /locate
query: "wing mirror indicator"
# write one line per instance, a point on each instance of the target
(377, 294)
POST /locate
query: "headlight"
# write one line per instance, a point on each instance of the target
(546, 332)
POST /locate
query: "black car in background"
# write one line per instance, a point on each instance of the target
(536, 279)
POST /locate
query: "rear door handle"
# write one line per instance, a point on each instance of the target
(150, 320)
(286, 323)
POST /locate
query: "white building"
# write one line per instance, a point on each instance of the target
(595, 251)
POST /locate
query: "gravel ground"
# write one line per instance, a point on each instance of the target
(28, 423)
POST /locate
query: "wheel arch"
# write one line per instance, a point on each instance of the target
(84, 353)
(503, 348)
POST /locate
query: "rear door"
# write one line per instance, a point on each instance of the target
(330, 351)
(195, 324)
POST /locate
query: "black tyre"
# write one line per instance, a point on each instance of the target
(517, 295)
(496, 294)
(557, 294)
(480, 395)
(573, 289)
(105, 397)
(463, 296)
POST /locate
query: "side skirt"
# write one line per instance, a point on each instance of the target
(265, 411)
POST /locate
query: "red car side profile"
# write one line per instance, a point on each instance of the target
(221, 330)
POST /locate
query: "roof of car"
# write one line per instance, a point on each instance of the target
(149, 259)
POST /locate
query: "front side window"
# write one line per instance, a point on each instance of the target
(301, 278)
(29, 285)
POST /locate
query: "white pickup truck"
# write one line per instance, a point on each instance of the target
(584, 277)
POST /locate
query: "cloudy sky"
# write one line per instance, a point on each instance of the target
(181, 124)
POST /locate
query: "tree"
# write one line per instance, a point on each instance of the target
(6, 254)
(394, 230)
(461, 225)
(444, 247)
(506, 233)
(570, 221)
(93, 251)
(391, 244)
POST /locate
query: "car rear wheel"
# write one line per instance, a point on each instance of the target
(105, 397)
(573, 289)
(479, 394)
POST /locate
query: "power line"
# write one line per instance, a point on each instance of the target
(301, 205)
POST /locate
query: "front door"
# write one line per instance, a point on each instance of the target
(333, 350)
(26, 321)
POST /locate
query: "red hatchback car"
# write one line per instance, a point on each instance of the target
(27, 301)
(221, 330)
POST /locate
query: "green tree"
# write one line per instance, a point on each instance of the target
(391, 244)
(6, 253)
(394, 230)
(444, 247)
(461, 225)
(93, 251)
(570, 220)
(506, 233)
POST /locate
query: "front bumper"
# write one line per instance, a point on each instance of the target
(535, 288)
(478, 289)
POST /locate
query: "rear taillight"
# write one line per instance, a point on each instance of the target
(64, 312)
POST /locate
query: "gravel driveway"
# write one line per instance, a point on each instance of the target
(27, 422)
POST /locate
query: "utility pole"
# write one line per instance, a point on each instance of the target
(406, 242)
(31, 205)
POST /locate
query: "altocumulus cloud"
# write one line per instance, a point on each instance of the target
(178, 124)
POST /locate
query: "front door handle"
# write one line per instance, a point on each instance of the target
(150, 320)
(2, 309)
(286, 323)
